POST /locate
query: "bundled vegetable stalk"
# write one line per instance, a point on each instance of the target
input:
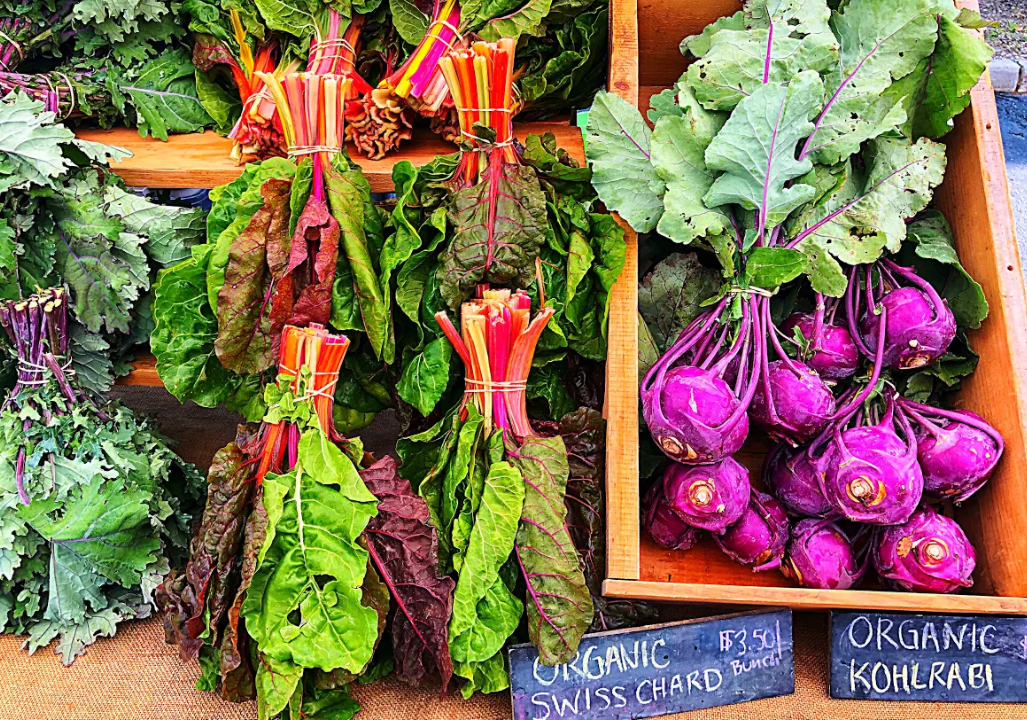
(564, 43)
(292, 489)
(94, 505)
(496, 494)
(289, 242)
(374, 130)
(799, 140)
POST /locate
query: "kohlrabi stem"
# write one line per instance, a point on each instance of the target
(686, 340)
(875, 373)
(964, 418)
(852, 308)
(753, 326)
(772, 333)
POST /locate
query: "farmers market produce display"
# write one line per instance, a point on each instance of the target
(823, 303)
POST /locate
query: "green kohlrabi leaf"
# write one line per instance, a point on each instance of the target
(756, 150)
(880, 41)
(939, 88)
(860, 213)
(932, 236)
(770, 268)
(782, 38)
(679, 146)
(618, 150)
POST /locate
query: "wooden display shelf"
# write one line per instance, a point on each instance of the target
(201, 160)
(975, 199)
(144, 372)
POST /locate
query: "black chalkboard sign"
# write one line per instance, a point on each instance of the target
(941, 658)
(659, 669)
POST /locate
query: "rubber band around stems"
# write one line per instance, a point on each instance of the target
(301, 150)
(55, 92)
(750, 291)
(445, 24)
(336, 43)
(31, 367)
(488, 386)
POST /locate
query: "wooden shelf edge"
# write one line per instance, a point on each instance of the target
(144, 373)
(201, 160)
(805, 599)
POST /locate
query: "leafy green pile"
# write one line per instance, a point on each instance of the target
(565, 66)
(219, 314)
(93, 504)
(120, 62)
(66, 220)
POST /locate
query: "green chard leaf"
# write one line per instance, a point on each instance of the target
(245, 343)
(485, 611)
(558, 601)
(498, 227)
(311, 566)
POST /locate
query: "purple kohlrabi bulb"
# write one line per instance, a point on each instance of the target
(958, 459)
(663, 526)
(709, 497)
(919, 331)
(686, 413)
(820, 556)
(758, 539)
(803, 403)
(870, 475)
(792, 479)
(835, 357)
(930, 553)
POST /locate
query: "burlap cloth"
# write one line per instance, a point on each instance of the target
(136, 676)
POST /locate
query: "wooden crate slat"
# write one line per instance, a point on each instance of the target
(804, 599)
(200, 160)
(621, 405)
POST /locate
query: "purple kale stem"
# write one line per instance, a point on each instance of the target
(19, 473)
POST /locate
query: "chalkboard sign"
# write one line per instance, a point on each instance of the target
(941, 658)
(659, 670)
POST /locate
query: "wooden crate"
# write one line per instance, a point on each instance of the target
(975, 199)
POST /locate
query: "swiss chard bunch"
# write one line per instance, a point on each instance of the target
(281, 248)
(93, 504)
(294, 538)
(505, 214)
(65, 220)
(419, 81)
(496, 493)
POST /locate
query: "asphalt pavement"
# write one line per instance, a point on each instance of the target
(1012, 112)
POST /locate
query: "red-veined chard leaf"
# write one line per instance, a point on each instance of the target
(404, 548)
